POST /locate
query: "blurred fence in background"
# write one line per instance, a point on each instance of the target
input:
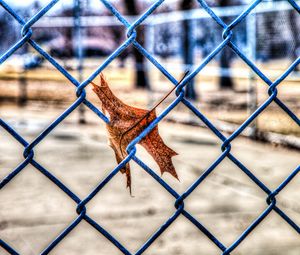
(227, 32)
(272, 34)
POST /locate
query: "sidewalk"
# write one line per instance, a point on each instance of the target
(33, 211)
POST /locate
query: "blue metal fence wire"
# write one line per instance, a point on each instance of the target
(228, 30)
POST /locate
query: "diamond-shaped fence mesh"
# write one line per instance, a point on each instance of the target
(228, 31)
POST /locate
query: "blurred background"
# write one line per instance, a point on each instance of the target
(179, 35)
(80, 35)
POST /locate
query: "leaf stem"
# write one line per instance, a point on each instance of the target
(153, 108)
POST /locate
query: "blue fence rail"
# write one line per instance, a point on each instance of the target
(228, 30)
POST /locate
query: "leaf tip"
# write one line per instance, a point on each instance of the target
(102, 80)
(175, 175)
(95, 86)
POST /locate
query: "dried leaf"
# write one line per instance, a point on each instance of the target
(126, 123)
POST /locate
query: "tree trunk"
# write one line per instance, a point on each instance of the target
(226, 81)
(141, 79)
(187, 45)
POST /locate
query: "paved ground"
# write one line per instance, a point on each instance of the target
(33, 211)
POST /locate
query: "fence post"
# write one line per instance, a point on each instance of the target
(252, 90)
(188, 49)
(78, 51)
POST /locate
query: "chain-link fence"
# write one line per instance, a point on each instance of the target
(83, 215)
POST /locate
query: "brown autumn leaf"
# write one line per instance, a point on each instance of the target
(126, 123)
